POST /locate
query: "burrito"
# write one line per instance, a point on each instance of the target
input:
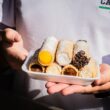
(54, 68)
(64, 52)
(70, 70)
(35, 67)
(47, 52)
(81, 54)
(90, 70)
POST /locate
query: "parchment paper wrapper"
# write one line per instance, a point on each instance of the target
(90, 70)
(64, 52)
(81, 54)
(54, 68)
(47, 52)
(35, 67)
(70, 70)
(34, 64)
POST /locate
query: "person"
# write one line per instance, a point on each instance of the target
(34, 21)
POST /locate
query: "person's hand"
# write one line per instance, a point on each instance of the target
(13, 49)
(103, 84)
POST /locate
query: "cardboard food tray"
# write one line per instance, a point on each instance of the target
(54, 77)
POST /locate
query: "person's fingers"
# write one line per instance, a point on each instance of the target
(105, 87)
(49, 84)
(73, 89)
(11, 36)
(16, 52)
(104, 67)
(97, 89)
(85, 89)
(16, 59)
(79, 89)
(17, 38)
(102, 84)
(23, 55)
(105, 75)
(56, 88)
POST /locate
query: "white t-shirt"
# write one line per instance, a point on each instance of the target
(81, 19)
(66, 19)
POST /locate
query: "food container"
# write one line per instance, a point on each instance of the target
(56, 77)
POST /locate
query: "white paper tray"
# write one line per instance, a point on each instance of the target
(56, 78)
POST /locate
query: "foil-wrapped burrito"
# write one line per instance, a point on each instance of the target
(81, 54)
(64, 52)
(47, 52)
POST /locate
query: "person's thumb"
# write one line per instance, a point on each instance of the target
(18, 61)
(20, 54)
(104, 74)
(13, 38)
(23, 55)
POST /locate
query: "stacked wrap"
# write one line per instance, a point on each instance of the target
(64, 52)
(34, 64)
(81, 54)
(47, 52)
(90, 70)
(64, 57)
